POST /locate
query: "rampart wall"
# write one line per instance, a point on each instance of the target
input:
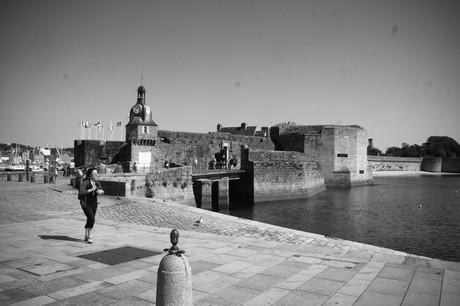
(444, 164)
(279, 175)
(173, 184)
(388, 163)
(450, 164)
(184, 147)
(429, 164)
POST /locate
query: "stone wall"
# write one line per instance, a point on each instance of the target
(444, 164)
(183, 147)
(282, 175)
(388, 163)
(451, 164)
(168, 184)
(431, 164)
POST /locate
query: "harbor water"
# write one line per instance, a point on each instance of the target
(415, 214)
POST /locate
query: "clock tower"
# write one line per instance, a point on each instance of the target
(141, 129)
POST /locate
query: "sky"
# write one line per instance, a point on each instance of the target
(390, 66)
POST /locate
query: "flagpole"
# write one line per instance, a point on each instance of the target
(111, 130)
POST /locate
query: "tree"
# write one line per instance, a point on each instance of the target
(374, 151)
(405, 151)
(393, 151)
(441, 146)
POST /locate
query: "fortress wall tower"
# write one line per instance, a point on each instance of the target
(341, 152)
(142, 134)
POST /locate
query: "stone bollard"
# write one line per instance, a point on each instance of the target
(8, 177)
(21, 177)
(32, 178)
(174, 282)
(45, 178)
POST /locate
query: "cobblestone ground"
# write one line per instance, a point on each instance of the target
(23, 201)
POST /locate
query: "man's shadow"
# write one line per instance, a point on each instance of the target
(57, 237)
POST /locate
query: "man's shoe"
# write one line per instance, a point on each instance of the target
(90, 241)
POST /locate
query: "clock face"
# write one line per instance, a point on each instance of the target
(136, 109)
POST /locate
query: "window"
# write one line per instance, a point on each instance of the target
(361, 171)
(145, 130)
(342, 155)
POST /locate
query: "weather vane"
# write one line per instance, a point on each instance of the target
(142, 75)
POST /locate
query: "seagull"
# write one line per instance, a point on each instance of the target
(420, 206)
(197, 222)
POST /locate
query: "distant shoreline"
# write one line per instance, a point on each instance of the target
(409, 173)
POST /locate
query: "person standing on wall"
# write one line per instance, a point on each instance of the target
(90, 188)
(72, 167)
(118, 168)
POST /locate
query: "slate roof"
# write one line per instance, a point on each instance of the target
(248, 131)
(292, 128)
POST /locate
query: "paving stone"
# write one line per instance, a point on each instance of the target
(388, 286)
(222, 259)
(48, 268)
(420, 299)
(125, 289)
(206, 277)
(450, 299)
(339, 299)
(281, 270)
(321, 286)
(428, 286)
(218, 284)
(450, 285)
(268, 297)
(378, 299)
(295, 281)
(233, 267)
(229, 296)
(249, 271)
(37, 301)
(259, 282)
(91, 298)
(11, 296)
(337, 274)
(78, 290)
(302, 298)
(355, 287)
(44, 288)
(399, 272)
(201, 266)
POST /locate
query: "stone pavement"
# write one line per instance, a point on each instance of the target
(234, 261)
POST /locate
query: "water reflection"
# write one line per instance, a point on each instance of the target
(416, 214)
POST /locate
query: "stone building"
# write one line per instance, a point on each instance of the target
(244, 130)
(341, 150)
(141, 134)
(139, 147)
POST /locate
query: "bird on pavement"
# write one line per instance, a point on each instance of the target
(198, 222)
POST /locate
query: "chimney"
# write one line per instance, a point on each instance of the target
(371, 143)
(243, 125)
(219, 127)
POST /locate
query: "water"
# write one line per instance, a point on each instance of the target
(385, 214)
